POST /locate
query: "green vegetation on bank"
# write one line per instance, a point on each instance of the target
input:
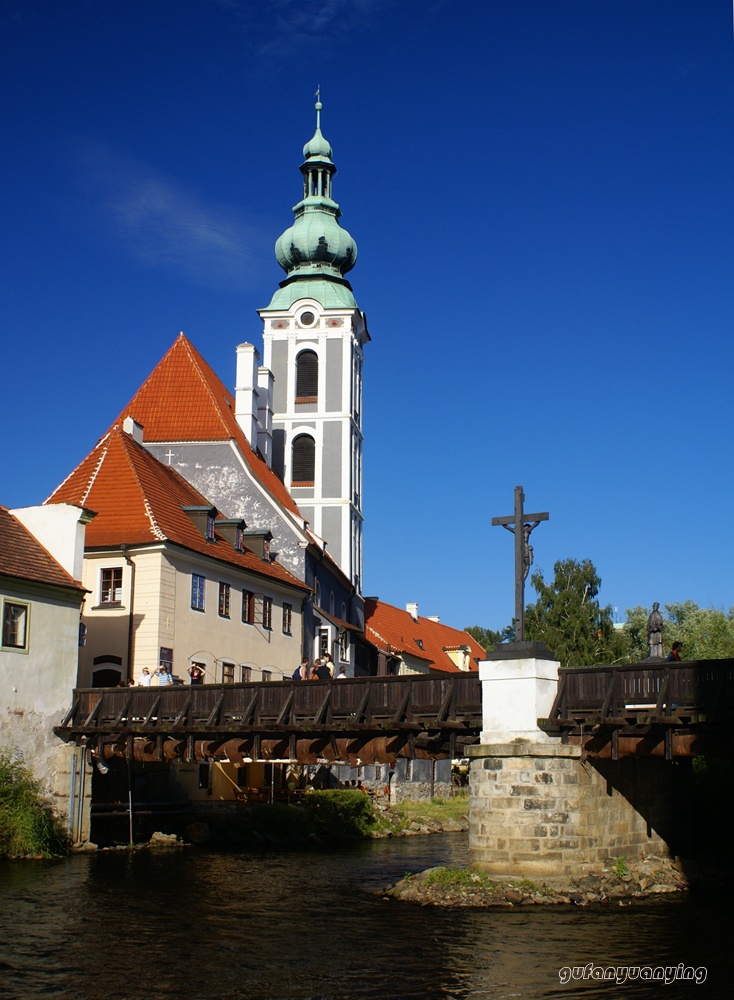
(27, 827)
(338, 815)
(394, 819)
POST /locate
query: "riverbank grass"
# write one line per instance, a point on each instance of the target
(27, 827)
(433, 814)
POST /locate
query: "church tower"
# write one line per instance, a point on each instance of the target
(313, 340)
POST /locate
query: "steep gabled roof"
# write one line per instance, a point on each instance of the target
(386, 625)
(24, 558)
(139, 500)
(184, 400)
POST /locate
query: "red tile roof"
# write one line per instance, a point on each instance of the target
(386, 625)
(24, 558)
(139, 500)
(184, 400)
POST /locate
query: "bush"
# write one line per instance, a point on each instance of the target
(343, 813)
(27, 827)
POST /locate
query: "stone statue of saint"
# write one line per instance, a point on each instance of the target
(655, 632)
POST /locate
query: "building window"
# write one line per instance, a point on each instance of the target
(331, 603)
(15, 625)
(165, 658)
(287, 619)
(210, 535)
(267, 675)
(205, 776)
(248, 607)
(224, 600)
(304, 461)
(198, 584)
(307, 377)
(227, 673)
(82, 634)
(344, 645)
(245, 674)
(323, 642)
(267, 612)
(111, 588)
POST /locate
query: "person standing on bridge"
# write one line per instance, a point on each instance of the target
(301, 673)
(674, 654)
(323, 670)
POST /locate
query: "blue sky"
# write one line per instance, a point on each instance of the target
(542, 194)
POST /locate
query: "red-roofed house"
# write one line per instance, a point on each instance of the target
(41, 596)
(402, 642)
(172, 583)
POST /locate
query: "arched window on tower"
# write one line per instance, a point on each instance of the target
(307, 377)
(304, 461)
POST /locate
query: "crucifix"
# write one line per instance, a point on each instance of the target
(521, 525)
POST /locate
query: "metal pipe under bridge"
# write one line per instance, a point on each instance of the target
(359, 720)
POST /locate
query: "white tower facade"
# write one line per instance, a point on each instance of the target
(313, 340)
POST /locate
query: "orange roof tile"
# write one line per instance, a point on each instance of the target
(428, 640)
(23, 557)
(139, 500)
(184, 400)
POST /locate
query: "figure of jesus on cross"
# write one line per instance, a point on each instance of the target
(521, 525)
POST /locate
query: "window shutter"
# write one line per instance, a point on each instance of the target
(307, 374)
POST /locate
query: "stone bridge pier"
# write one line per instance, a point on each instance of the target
(536, 806)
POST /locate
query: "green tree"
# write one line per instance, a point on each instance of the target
(488, 638)
(568, 618)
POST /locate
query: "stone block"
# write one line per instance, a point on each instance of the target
(529, 804)
(493, 764)
(544, 778)
(520, 790)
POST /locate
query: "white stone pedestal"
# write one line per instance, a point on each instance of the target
(518, 687)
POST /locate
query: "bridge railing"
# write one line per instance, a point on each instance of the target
(412, 701)
(694, 691)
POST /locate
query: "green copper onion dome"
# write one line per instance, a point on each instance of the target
(315, 246)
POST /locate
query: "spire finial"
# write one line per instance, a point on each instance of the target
(318, 107)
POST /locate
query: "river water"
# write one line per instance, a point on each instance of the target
(193, 925)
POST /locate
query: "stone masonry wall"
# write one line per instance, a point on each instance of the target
(551, 813)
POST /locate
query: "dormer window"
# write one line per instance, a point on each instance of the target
(266, 549)
(204, 520)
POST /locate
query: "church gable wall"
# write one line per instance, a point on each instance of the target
(218, 473)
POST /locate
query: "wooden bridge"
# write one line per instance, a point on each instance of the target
(646, 709)
(354, 720)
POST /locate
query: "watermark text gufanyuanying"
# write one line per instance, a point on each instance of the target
(627, 973)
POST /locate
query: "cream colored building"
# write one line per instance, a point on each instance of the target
(171, 583)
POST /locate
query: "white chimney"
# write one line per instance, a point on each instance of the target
(245, 393)
(60, 528)
(412, 610)
(133, 428)
(265, 414)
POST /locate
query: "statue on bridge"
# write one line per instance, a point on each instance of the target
(655, 633)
